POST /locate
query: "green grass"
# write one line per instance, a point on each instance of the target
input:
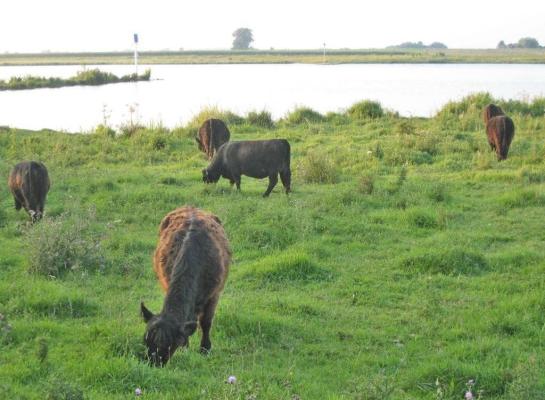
(399, 279)
(312, 56)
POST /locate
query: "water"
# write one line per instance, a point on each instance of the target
(177, 92)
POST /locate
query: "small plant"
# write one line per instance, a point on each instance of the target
(5, 330)
(365, 110)
(399, 182)
(316, 168)
(63, 244)
(263, 119)
(405, 127)
(366, 184)
(378, 152)
(42, 350)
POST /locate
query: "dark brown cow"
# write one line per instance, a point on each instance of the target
(491, 111)
(257, 159)
(500, 131)
(29, 184)
(212, 134)
(191, 262)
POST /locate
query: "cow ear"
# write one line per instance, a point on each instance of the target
(217, 219)
(189, 328)
(146, 314)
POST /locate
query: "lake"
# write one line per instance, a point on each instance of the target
(177, 92)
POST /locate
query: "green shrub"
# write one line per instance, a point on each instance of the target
(303, 115)
(63, 244)
(405, 127)
(365, 110)
(263, 119)
(318, 168)
(422, 219)
(448, 262)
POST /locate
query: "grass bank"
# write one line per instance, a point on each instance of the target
(406, 262)
(333, 56)
(91, 77)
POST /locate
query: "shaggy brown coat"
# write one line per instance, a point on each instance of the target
(191, 262)
(212, 134)
(500, 131)
(491, 111)
(29, 184)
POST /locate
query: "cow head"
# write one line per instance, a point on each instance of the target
(164, 335)
(209, 176)
(199, 143)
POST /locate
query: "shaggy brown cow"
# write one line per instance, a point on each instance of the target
(29, 184)
(500, 131)
(491, 111)
(191, 262)
(212, 134)
(255, 158)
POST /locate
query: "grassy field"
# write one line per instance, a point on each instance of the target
(333, 56)
(406, 262)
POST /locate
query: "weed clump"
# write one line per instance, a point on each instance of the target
(316, 168)
(263, 119)
(366, 109)
(521, 199)
(303, 115)
(292, 267)
(63, 244)
(229, 117)
(61, 390)
(449, 262)
(104, 131)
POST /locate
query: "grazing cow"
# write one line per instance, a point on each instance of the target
(212, 134)
(500, 131)
(191, 262)
(257, 159)
(491, 111)
(29, 184)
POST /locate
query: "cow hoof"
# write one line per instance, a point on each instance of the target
(205, 351)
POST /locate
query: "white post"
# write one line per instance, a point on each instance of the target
(324, 53)
(136, 53)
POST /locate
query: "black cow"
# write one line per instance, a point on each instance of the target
(29, 184)
(500, 131)
(212, 134)
(257, 159)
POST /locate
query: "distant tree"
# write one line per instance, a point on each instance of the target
(528, 43)
(501, 45)
(243, 38)
(419, 45)
(438, 45)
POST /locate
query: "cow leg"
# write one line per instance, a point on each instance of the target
(237, 181)
(18, 201)
(205, 320)
(285, 177)
(231, 182)
(273, 180)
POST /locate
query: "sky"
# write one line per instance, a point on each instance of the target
(108, 25)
